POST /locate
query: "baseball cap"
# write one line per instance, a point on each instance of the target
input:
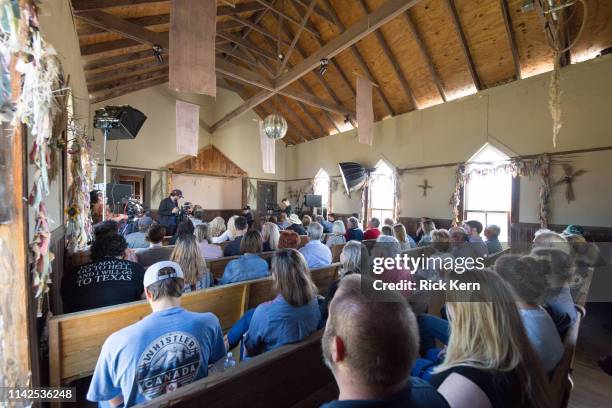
(177, 192)
(152, 274)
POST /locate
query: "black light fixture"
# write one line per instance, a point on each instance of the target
(354, 176)
(158, 53)
(323, 63)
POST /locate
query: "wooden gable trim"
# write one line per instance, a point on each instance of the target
(209, 161)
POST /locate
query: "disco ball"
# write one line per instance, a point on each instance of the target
(275, 126)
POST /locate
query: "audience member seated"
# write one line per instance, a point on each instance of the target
(489, 361)
(138, 239)
(283, 222)
(573, 230)
(353, 232)
(187, 254)
(156, 252)
(460, 247)
(388, 247)
(421, 229)
(270, 235)
(184, 228)
(248, 214)
(316, 253)
(359, 224)
(426, 227)
(440, 242)
(288, 240)
(294, 313)
(406, 242)
(331, 217)
(526, 276)
(491, 233)
(240, 227)
(558, 301)
(169, 348)
(545, 238)
(229, 233)
(337, 235)
(83, 256)
(370, 347)
(306, 221)
(207, 250)
(350, 258)
(197, 216)
(107, 280)
(373, 232)
(295, 224)
(389, 221)
(250, 265)
(216, 228)
(474, 229)
(327, 225)
(386, 230)
(584, 254)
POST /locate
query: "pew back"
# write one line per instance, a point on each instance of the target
(303, 240)
(336, 250)
(253, 383)
(75, 339)
(217, 266)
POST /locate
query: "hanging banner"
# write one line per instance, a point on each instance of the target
(365, 111)
(187, 128)
(193, 27)
(268, 152)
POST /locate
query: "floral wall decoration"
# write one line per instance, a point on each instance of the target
(37, 105)
(517, 166)
(295, 194)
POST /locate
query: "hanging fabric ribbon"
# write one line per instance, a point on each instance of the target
(187, 128)
(365, 111)
(268, 151)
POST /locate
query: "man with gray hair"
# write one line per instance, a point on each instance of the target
(327, 226)
(370, 348)
(316, 253)
(138, 239)
(491, 233)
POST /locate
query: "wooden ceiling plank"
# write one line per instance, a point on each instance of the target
(360, 60)
(236, 54)
(128, 88)
(425, 55)
(122, 72)
(288, 17)
(318, 10)
(126, 80)
(257, 28)
(123, 27)
(511, 38)
(463, 41)
(365, 26)
(84, 31)
(243, 74)
(239, 9)
(392, 60)
(315, 101)
(245, 43)
(85, 5)
(297, 35)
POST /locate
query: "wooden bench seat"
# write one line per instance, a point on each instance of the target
(284, 377)
(75, 339)
(217, 266)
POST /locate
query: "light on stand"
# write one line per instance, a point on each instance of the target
(102, 120)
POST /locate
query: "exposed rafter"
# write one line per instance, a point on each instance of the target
(511, 38)
(463, 42)
(297, 35)
(287, 17)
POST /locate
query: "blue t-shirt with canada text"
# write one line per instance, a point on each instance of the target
(164, 351)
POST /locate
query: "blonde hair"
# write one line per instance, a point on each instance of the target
(487, 333)
(306, 220)
(440, 240)
(216, 227)
(231, 226)
(292, 279)
(187, 254)
(271, 235)
(400, 232)
(202, 233)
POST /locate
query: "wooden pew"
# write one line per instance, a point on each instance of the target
(490, 260)
(75, 339)
(217, 266)
(292, 375)
(336, 250)
(166, 240)
(561, 383)
(369, 243)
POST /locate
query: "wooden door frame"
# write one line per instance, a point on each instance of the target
(117, 172)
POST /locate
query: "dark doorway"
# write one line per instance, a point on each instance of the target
(139, 180)
(266, 196)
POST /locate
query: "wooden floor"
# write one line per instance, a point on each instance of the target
(593, 387)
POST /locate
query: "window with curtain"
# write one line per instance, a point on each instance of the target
(382, 191)
(488, 197)
(322, 183)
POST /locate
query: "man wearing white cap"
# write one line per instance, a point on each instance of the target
(168, 349)
(295, 224)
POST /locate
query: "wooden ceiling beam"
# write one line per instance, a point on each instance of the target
(318, 10)
(123, 27)
(236, 54)
(362, 28)
(360, 60)
(87, 30)
(84, 5)
(392, 60)
(314, 101)
(239, 9)
(122, 72)
(119, 61)
(463, 42)
(425, 55)
(114, 82)
(128, 88)
(245, 43)
(257, 28)
(511, 38)
(288, 17)
(297, 35)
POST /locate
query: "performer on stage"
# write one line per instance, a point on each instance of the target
(168, 211)
(97, 207)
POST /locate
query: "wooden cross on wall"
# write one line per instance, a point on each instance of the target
(425, 186)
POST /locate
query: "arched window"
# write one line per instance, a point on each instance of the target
(488, 193)
(382, 191)
(321, 187)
